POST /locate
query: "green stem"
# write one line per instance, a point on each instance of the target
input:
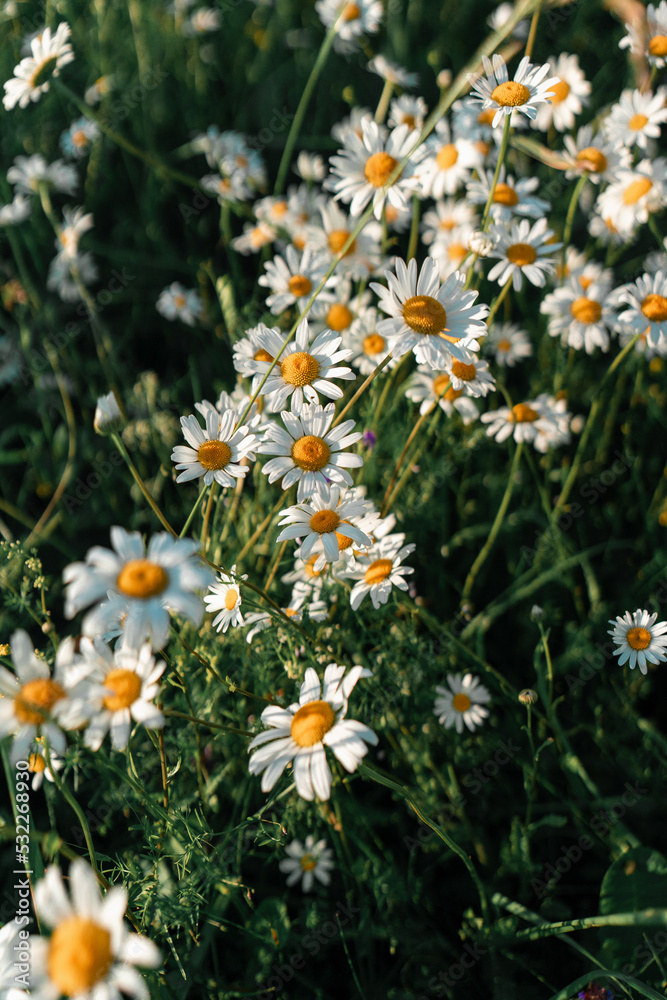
(66, 794)
(141, 484)
(414, 229)
(194, 510)
(501, 156)
(496, 305)
(571, 210)
(383, 103)
(500, 516)
(361, 389)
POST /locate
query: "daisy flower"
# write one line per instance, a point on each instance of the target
(16, 211)
(472, 377)
(368, 346)
(447, 162)
(357, 18)
(571, 93)
(392, 72)
(32, 701)
(308, 452)
(301, 732)
(305, 369)
(310, 167)
(639, 638)
(108, 418)
(102, 86)
(33, 74)
(255, 236)
(634, 194)
(76, 141)
(299, 604)
(363, 167)
(501, 15)
(649, 39)
(509, 344)
(202, 21)
(362, 257)
(146, 585)
(118, 690)
(318, 520)
(594, 155)
(10, 945)
(28, 172)
(307, 861)
(379, 571)
(430, 389)
(227, 189)
(522, 250)
(406, 110)
(76, 222)
(90, 953)
(580, 318)
(176, 302)
(461, 703)
(38, 767)
(544, 422)
(225, 596)
(510, 196)
(351, 123)
(292, 278)
(433, 320)
(344, 307)
(647, 301)
(636, 118)
(216, 451)
(453, 250)
(444, 217)
(497, 92)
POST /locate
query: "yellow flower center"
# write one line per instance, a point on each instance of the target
(350, 12)
(79, 138)
(79, 955)
(510, 94)
(636, 190)
(343, 541)
(337, 240)
(324, 521)
(637, 122)
(231, 597)
(379, 168)
(504, 344)
(299, 368)
(505, 195)
(425, 315)
(374, 343)
(391, 213)
(521, 254)
(263, 355)
(638, 638)
(280, 209)
(307, 863)
(36, 763)
(408, 120)
(179, 301)
(465, 372)
(440, 384)
(41, 693)
(524, 414)
(654, 308)
(586, 310)
(560, 91)
(299, 242)
(308, 568)
(299, 285)
(585, 281)
(214, 454)
(241, 161)
(657, 45)
(312, 722)
(44, 72)
(126, 687)
(455, 251)
(378, 571)
(447, 156)
(339, 317)
(461, 702)
(310, 453)
(452, 394)
(592, 159)
(142, 578)
(486, 117)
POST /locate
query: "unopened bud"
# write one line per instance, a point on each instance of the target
(537, 613)
(480, 243)
(108, 418)
(444, 78)
(527, 696)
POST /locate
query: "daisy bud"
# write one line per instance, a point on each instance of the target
(480, 243)
(528, 696)
(108, 418)
(536, 613)
(444, 78)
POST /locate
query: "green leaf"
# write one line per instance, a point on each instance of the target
(635, 881)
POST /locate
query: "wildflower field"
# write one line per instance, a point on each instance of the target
(333, 499)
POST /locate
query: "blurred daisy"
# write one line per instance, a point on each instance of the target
(329, 237)
(254, 237)
(379, 571)
(639, 639)
(430, 389)
(69, 273)
(216, 451)
(344, 307)
(392, 72)
(76, 222)
(79, 137)
(427, 317)
(649, 38)
(368, 346)
(522, 249)
(153, 583)
(326, 523)
(28, 172)
(634, 194)
(501, 15)
(292, 278)
(510, 196)
(406, 110)
(447, 162)
(453, 250)
(472, 377)
(108, 418)
(32, 76)
(16, 211)
(102, 86)
(10, 943)
(176, 302)
(444, 217)
(225, 596)
(636, 118)
(570, 94)
(461, 703)
(582, 319)
(301, 732)
(204, 20)
(39, 769)
(544, 422)
(647, 301)
(306, 862)
(308, 452)
(594, 155)
(361, 170)
(524, 93)
(90, 955)
(304, 369)
(310, 168)
(508, 343)
(357, 18)
(300, 605)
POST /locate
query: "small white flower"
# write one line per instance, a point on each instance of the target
(392, 72)
(544, 422)
(582, 319)
(379, 570)
(292, 278)
(358, 17)
(508, 343)
(461, 703)
(430, 389)
(176, 302)
(76, 141)
(570, 94)
(524, 93)
(16, 211)
(368, 346)
(647, 312)
(510, 196)
(447, 162)
(215, 452)
(523, 250)
(108, 417)
(636, 118)
(225, 596)
(306, 862)
(76, 223)
(28, 172)
(446, 216)
(33, 74)
(327, 522)
(406, 110)
(310, 168)
(639, 639)
(649, 39)
(635, 193)
(472, 377)
(595, 156)
(480, 243)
